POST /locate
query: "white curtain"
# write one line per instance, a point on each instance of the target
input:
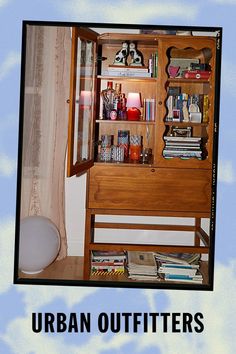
(45, 125)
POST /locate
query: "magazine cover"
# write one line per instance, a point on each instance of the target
(117, 177)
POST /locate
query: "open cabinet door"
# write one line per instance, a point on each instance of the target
(80, 153)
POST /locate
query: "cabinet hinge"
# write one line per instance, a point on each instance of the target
(99, 58)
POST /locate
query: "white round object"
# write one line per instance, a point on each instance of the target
(39, 244)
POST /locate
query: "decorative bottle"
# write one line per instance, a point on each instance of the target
(108, 100)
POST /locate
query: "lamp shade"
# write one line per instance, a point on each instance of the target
(39, 244)
(85, 98)
(134, 100)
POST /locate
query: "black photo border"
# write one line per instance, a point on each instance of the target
(146, 285)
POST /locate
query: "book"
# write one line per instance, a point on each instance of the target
(110, 255)
(183, 270)
(182, 154)
(108, 268)
(170, 146)
(106, 272)
(106, 263)
(141, 265)
(124, 68)
(126, 73)
(182, 138)
(169, 264)
(149, 109)
(205, 116)
(179, 258)
(196, 74)
(184, 278)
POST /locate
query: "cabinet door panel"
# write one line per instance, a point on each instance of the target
(82, 103)
(140, 188)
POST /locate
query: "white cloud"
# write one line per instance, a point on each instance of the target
(226, 172)
(40, 296)
(217, 307)
(25, 341)
(128, 11)
(228, 76)
(7, 165)
(225, 2)
(11, 60)
(4, 2)
(7, 229)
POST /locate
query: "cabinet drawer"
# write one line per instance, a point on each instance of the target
(145, 188)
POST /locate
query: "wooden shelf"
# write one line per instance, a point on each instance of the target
(139, 122)
(183, 80)
(125, 164)
(117, 38)
(184, 124)
(131, 78)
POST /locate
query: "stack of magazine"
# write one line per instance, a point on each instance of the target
(183, 147)
(141, 266)
(126, 71)
(179, 267)
(107, 263)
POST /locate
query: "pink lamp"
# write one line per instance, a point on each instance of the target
(133, 105)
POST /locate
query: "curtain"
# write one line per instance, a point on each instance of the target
(45, 121)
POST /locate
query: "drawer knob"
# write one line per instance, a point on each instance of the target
(160, 103)
(153, 170)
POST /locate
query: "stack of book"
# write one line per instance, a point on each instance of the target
(197, 74)
(107, 263)
(198, 71)
(141, 266)
(183, 147)
(149, 109)
(153, 64)
(184, 107)
(183, 267)
(126, 71)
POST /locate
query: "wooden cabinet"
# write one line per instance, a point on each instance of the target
(178, 86)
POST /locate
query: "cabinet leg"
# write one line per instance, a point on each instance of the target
(89, 237)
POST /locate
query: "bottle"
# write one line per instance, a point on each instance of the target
(108, 100)
(117, 99)
(123, 109)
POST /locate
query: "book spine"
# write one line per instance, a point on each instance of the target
(197, 74)
(102, 272)
(205, 113)
(184, 277)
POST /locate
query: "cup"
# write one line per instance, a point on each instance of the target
(135, 147)
(135, 151)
